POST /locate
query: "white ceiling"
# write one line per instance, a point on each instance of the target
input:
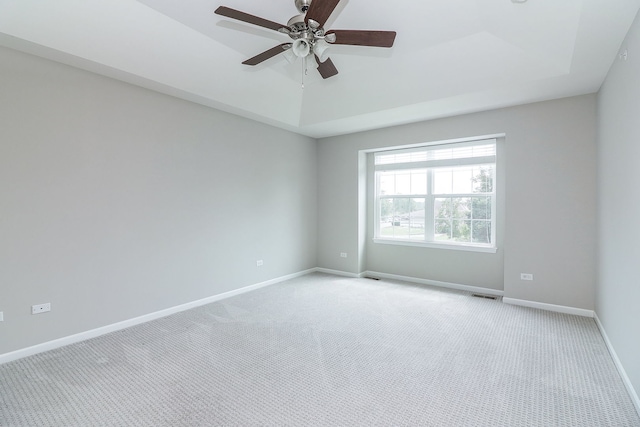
(450, 56)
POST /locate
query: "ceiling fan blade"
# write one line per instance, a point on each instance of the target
(364, 37)
(251, 19)
(267, 54)
(320, 10)
(326, 68)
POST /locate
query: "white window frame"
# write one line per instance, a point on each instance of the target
(429, 198)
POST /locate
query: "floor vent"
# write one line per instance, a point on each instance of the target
(372, 278)
(484, 296)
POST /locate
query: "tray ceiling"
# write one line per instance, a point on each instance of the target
(450, 56)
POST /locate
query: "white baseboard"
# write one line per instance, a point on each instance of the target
(616, 361)
(337, 272)
(549, 307)
(459, 287)
(71, 339)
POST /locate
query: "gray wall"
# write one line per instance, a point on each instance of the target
(116, 201)
(546, 227)
(618, 287)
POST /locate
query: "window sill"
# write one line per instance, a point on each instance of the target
(454, 247)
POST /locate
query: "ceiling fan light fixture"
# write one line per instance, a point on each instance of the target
(313, 24)
(301, 48)
(320, 48)
(330, 38)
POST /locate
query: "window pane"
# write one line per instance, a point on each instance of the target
(481, 232)
(442, 183)
(462, 180)
(483, 179)
(402, 218)
(462, 152)
(407, 157)
(389, 217)
(386, 210)
(442, 229)
(484, 150)
(481, 208)
(442, 152)
(458, 180)
(387, 183)
(419, 181)
(442, 208)
(461, 207)
(403, 183)
(461, 230)
(455, 230)
(416, 219)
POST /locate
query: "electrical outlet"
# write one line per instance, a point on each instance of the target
(259, 263)
(343, 254)
(40, 308)
(526, 276)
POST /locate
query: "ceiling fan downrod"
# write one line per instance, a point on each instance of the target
(303, 5)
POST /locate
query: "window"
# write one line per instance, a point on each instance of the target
(437, 195)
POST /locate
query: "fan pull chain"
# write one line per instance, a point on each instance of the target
(304, 69)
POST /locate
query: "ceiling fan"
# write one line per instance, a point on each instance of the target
(308, 35)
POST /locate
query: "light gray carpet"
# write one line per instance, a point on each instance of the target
(323, 350)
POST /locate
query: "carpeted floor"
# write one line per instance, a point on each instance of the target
(322, 350)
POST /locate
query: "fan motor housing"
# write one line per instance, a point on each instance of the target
(297, 23)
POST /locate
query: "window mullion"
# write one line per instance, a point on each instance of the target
(428, 209)
(376, 206)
